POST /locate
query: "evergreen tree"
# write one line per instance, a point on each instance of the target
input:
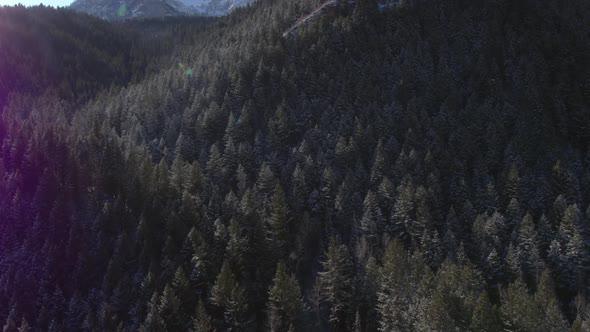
(284, 304)
(527, 252)
(403, 212)
(396, 287)
(201, 320)
(372, 220)
(337, 282)
(547, 303)
(236, 309)
(24, 326)
(222, 289)
(485, 316)
(277, 224)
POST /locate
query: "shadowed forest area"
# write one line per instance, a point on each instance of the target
(423, 167)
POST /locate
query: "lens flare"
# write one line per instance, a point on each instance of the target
(122, 11)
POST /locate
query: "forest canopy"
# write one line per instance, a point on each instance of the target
(419, 167)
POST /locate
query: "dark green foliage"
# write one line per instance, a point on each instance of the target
(202, 320)
(336, 283)
(411, 168)
(46, 50)
(285, 307)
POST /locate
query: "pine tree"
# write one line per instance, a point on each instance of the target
(242, 179)
(10, 325)
(372, 220)
(493, 269)
(575, 255)
(432, 248)
(24, 326)
(202, 320)
(485, 316)
(223, 287)
(403, 213)
(153, 321)
(512, 266)
(284, 304)
(378, 165)
(338, 284)
(299, 189)
(182, 289)
(424, 220)
(236, 309)
(170, 310)
(569, 224)
(527, 252)
(519, 311)
(277, 225)
(455, 291)
(236, 246)
(544, 235)
(557, 262)
(395, 289)
(512, 186)
(266, 181)
(548, 304)
(358, 326)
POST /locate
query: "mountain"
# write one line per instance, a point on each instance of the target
(214, 7)
(423, 166)
(126, 9)
(72, 62)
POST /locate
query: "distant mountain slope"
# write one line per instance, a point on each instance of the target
(125, 9)
(214, 7)
(72, 54)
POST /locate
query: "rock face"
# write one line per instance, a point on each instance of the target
(214, 7)
(127, 9)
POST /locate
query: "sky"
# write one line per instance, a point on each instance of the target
(54, 3)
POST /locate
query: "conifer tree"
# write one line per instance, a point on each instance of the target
(201, 320)
(403, 212)
(485, 316)
(394, 290)
(547, 303)
(527, 252)
(277, 224)
(236, 309)
(372, 220)
(337, 282)
(284, 303)
(224, 285)
(24, 326)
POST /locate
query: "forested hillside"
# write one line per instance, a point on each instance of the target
(47, 51)
(425, 167)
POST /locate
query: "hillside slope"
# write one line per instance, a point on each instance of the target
(119, 10)
(214, 7)
(407, 169)
(130, 9)
(74, 55)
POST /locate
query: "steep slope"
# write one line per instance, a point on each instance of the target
(399, 170)
(214, 7)
(126, 9)
(53, 50)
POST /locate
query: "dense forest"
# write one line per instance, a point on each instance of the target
(419, 167)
